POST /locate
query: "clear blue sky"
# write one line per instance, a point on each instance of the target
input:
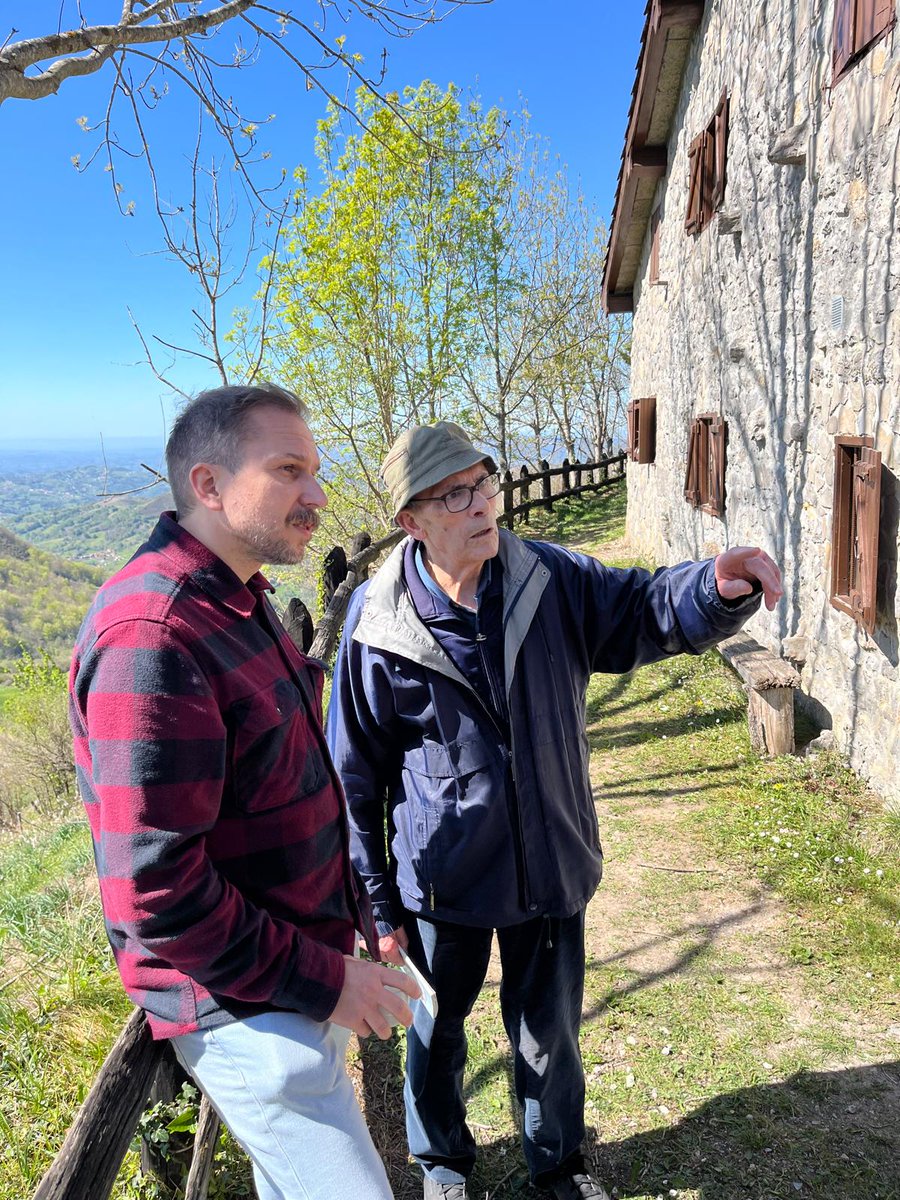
(72, 266)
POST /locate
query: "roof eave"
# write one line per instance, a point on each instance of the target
(644, 155)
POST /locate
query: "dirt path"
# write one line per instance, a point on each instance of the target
(727, 1057)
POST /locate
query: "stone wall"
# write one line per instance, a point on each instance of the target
(741, 323)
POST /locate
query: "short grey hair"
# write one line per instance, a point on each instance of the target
(210, 428)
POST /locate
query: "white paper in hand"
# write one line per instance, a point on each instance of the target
(429, 999)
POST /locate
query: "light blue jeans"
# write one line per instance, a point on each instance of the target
(279, 1083)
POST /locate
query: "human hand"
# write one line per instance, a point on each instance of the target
(739, 568)
(367, 1002)
(390, 944)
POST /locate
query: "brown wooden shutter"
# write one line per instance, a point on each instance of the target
(885, 15)
(867, 507)
(843, 42)
(717, 435)
(692, 477)
(654, 247)
(864, 30)
(708, 157)
(694, 215)
(720, 139)
(646, 430)
(631, 429)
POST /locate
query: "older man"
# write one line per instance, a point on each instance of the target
(217, 818)
(458, 714)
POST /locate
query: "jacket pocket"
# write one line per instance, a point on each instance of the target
(276, 757)
(456, 821)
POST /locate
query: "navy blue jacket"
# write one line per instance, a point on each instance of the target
(483, 828)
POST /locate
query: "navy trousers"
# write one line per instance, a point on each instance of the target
(540, 998)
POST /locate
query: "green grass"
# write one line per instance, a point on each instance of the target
(61, 1004)
(735, 1014)
(737, 1018)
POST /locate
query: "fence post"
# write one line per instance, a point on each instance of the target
(566, 475)
(507, 498)
(87, 1164)
(578, 472)
(546, 488)
(524, 492)
(604, 469)
(361, 541)
(334, 572)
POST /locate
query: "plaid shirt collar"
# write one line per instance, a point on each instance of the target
(208, 571)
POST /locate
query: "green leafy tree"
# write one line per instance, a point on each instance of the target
(374, 288)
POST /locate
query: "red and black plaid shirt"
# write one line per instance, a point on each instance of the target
(217, 818)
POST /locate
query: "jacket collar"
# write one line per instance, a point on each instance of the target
(192, 559)
(389, 621)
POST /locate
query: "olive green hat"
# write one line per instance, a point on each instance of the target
(423, 456)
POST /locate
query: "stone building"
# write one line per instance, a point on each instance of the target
(756, 239)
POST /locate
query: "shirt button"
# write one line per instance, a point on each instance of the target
(532, 908)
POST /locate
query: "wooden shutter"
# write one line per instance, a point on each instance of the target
(716, 466)
(654, 247)
(873, 17)
(885, 15)
(843, 38)
(646, 431)
(692, 477)
(708, 158)
(720, 141)
(692, 221)
(864, 30)
(630, 413)
(867, 511)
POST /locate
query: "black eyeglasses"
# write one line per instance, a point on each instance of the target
(460, 498)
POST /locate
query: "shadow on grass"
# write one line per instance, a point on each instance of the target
(831, 1135)
(636, 733)
(652, 785)
(703, 935)
(823, 1135)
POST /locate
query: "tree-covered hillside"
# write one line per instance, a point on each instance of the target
(43, 599)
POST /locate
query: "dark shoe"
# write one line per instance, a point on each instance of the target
(445, 1191)
(579, 1186)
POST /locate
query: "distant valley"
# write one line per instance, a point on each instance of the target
(66, 497)
(71, 513)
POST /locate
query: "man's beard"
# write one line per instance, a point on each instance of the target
(267, 546)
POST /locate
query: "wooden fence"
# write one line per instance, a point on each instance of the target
(139, 1070)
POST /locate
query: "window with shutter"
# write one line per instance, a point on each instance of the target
(642, 430)
(707, 157)
(704, 485)
(857, 25)
(855, 523)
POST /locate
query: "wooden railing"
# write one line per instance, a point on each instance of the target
(138, 1070)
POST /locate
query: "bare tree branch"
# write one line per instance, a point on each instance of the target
(101, 42)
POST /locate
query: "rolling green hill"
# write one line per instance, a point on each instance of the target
(102, 531)
(43, 599)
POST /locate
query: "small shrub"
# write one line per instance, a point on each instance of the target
(37, 771)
